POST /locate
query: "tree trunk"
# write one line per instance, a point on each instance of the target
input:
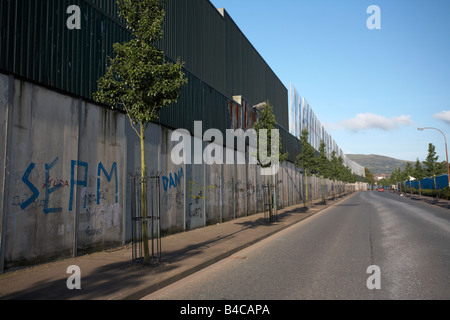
(269, 192)
(435, 189)
(420, 190)
(333, 187)
(324, 191)
(306, 189)
(144, 196)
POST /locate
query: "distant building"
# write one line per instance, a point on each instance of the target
(379, 177)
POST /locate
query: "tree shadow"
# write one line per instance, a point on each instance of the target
(440, 203)
(276, 218)
(112, 279)
(104, 281)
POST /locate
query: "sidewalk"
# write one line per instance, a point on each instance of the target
(111, 275)
(443, 203)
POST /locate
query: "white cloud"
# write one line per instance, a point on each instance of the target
(444, 116)
(365, 121)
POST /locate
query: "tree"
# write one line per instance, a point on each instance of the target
(265, 126)
(337, 168)
(442, 167)
(431, 164)
(398, 177)
(408, 172)
(140, 79)
(323, 167)
(369, 176)
(395, 177)
(384, 182)
(306, 160)
(402, 176)
(334, 169)
(419, 174)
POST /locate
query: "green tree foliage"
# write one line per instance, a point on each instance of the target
(432, 167)
(267, 121)
(335, 166)
(384, 182)
(323, 167)
(323, 164)
(419, 174)
(403, 176)
(139, 78)
(370, 178)
(408, 172)
(319, 165)
(442, 167)
(431, 164)
(307, 161)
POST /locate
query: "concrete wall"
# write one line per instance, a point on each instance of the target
(64, 176)
(64, 172)
(5, 98)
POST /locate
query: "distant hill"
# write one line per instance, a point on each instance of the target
(378, 164)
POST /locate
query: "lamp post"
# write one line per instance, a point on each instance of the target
(260, 106)
(446, 153)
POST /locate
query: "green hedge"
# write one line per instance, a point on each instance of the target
(442, 193)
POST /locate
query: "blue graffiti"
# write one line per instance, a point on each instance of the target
(49, 190)
(25, 179)
(173, 180)
(108, 177)
(74, 182)
(81, 167)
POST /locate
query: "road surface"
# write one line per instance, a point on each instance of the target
(328, 257)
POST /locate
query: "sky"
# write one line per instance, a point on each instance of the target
(371, 88)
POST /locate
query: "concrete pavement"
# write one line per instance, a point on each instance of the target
(111, 275)
(443, 203)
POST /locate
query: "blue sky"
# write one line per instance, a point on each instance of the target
(372, 89)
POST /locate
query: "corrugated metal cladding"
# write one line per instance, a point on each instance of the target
(216, 51)
(198, 101)
(36, 44)
(289, 144)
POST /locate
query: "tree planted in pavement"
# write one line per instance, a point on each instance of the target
(419, 174)
(323, 168)
(268, 138)
(408, 173)
(139, 79)
(370, 178)
(432, 167)
(307, 161)
(336, 169)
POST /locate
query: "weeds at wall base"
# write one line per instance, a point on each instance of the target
(441, 193)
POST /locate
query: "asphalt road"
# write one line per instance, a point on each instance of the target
(328, 255)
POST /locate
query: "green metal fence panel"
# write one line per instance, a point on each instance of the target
(290, 144)
(193, 31)
(249, 75)
(198, 102)
(217, 52)
(35, 44)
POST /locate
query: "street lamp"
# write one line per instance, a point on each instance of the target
(260, 106)
(446, 153)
